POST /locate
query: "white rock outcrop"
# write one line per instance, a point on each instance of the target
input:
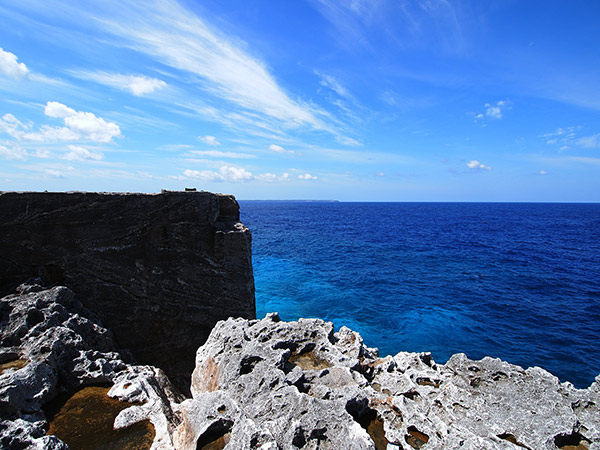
(273, 384)
(269, 384)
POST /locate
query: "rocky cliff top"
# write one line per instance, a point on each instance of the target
(269, 384)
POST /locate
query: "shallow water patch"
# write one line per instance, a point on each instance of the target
(84, 421)
(309, 361)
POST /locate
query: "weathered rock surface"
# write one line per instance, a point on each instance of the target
(60, 350)
(271, 384)
(158, 270)
(268, 384)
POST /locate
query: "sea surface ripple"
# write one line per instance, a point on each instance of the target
(517, 281)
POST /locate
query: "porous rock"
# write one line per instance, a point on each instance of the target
(50, 346)
(159, 270)
(274, 384)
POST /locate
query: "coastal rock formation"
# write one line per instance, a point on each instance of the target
(267, 384)
(272, 384)
(158, 270)
(49, 347)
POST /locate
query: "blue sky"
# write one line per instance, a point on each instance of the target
(357, 100)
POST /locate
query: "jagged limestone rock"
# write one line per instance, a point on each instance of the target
(300, 385)
(49, 346)
(267, 384)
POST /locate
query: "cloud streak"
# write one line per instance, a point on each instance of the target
(138, 85)
(177, 38)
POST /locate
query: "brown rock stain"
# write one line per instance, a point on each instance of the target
(85, 421)
(209, 376)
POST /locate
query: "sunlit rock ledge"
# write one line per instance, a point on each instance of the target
(269, 384)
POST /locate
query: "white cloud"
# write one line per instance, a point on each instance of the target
(13, 152)
(476, 165)
(79, 126)
(236, 175)
(493, 111)
(590, 141)
(543, 172)
(77, 153)
(210, 140)
(219, 154)
(226, 173)
(272, 178)
(279, 149)
(138, 85)
(10, 66)
(178, 38)
(307, 176)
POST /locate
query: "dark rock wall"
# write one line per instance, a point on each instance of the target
(159, 270)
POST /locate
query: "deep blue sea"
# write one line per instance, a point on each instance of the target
(511, 280)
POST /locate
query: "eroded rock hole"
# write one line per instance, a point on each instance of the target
(512, 439)
(247, 364)
(415, 438)
(573, 441)
(216, 436)
(423, 381)
(411, 395)
(368, 419)
(85, 420)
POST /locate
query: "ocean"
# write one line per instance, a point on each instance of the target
(517, 281)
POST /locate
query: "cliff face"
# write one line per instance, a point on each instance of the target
(158, 270)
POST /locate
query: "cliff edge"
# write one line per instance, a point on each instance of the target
(159, 270)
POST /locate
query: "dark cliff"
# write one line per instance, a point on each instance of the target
(159, 270)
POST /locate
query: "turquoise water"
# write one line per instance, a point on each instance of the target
(516, 281)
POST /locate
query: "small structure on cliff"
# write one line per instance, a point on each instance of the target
(159, 270)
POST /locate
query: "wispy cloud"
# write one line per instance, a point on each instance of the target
(12, 151)
(178, 38)
(279, 149)
(330, 82)
(138, 85)
(569, 137)
(78, 153)
(433, 24)
(590, 141)
(220, 154)
(10, 66)
(210, 140)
